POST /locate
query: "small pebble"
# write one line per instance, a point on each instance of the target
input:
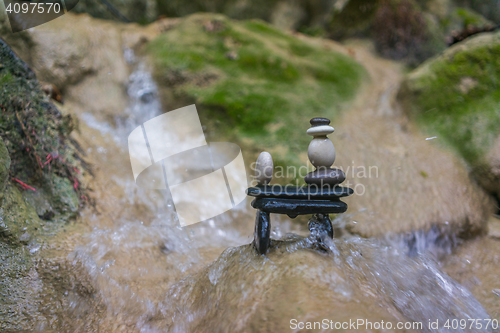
(25, 237)
(318, 121)
(324, 177)
(320, 130)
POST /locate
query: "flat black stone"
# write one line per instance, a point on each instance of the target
(323, 176)
(318, 121)
(299, 192)
(294, 207)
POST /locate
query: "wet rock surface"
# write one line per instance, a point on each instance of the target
(487, 172)
(476, 266)
(354, 279)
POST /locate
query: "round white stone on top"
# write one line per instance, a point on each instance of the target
(320, 130)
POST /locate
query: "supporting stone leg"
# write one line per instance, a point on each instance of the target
(262, 232)
(320, 224)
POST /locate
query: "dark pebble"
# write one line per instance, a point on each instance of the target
(323, 177)
(319, 121)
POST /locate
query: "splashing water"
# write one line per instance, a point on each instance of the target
(353, 272)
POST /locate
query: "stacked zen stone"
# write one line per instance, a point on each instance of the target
(321, 153)
(320, 197)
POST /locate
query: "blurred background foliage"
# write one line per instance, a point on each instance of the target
(412, 30)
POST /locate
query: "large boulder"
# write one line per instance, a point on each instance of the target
(465, 114)
(487, 171)
(295, 284)
(35, 134)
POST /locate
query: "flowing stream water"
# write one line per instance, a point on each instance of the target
(133, 268)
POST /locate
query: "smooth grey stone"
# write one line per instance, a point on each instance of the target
(321, 152)
(323, 176)
(318, 121)
(321, 130)
(264, 168)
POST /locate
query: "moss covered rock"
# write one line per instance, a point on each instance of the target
(488, 8)
(19, 220)
(40, 165)
(253, 79)
(4, 167)
(36, 135)
(40, 177)
(455, 96)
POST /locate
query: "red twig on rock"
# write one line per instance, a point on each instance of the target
(24, 186)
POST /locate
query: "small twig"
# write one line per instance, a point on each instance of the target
(25, 186)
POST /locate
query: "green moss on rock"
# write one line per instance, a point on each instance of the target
(456, 97)
(253, 79)
(19, 222)
(36, 136)
(4, 168)
(54, 200)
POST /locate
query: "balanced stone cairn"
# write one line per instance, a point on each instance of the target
(321, 153)
(320, 197)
